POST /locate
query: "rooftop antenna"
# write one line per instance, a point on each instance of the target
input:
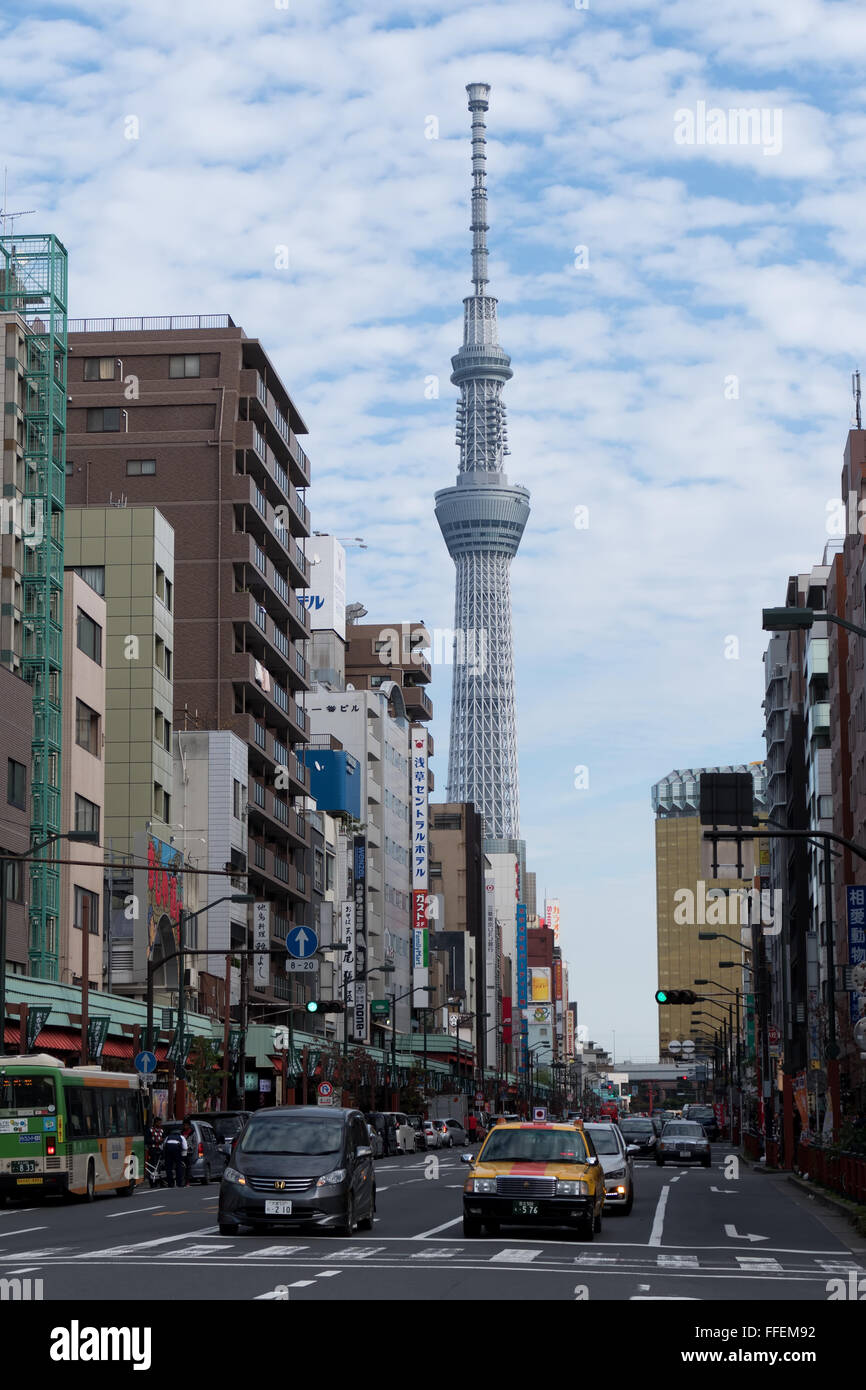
(10, 216)
(855, 387)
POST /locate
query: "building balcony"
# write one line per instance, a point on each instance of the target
(817, 658)
(374, 749)
(374, 790)
(818, 722)
(374, 834)
(418, 702)
(374, 878)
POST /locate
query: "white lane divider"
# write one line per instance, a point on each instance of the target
(35, 1254)
(137, 1211)
(28, 1230)
(273, 1252)
(191, 1252)
(588, 1260)
(143, 1244)
(356, 1252)
(659, 1218)
(759, 1264)
(446, 1225)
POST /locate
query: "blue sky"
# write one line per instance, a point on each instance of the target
(260, 126)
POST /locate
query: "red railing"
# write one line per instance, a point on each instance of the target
(844, 1173)
(752, 1145)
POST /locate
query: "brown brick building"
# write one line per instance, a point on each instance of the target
(190, 415)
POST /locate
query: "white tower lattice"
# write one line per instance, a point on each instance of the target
(482, 520)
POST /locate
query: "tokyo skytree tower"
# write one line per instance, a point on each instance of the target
(482, 520)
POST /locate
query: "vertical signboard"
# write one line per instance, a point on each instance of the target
(855, 899)
(569, 1035)
(420, 855)
(347, 936)
(551, 914)
(261, 944)
(490, 967)
(359, 879)
(557, 997)
(522, 979)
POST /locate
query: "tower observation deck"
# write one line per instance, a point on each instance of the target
(482, 520)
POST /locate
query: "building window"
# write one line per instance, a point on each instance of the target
(161, 730)
(135, 467)
(88, 902)
(89, 637)
(14, 881)
(168, 592)
(103, 420)
(93, 575)
(16, 784)
(330, 862)
(318, 872)
(99, 368)
(70, 468)
(239, 803)
(87, 728)
(86, 814)
(185, 365)
(162, 658)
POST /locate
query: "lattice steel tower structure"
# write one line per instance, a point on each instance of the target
(482, 520)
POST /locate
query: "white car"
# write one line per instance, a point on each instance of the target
(432, 1135)
(616, 1159)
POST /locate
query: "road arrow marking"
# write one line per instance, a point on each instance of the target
(734, 1234)
(723, 1189)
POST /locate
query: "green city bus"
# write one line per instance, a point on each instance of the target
(72, 1130)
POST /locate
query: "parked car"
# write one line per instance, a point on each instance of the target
(455, 1131)
(208, 1158)
(305, 1165)
(432, 1135)
(417, 1123)
(226, 1124)
(616, 1159)
(405, 1132)
(683, 1141)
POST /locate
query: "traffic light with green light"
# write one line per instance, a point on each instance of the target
(676, 996)
(325, 1006)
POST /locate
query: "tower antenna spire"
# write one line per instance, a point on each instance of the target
(478, 104)
(855, 387)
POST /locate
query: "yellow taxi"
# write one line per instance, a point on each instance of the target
(534, 1175)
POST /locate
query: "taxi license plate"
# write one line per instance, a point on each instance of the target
(22, 1181)
(278, 1208)
(685, 1153)
(23, 1165)
(524, 1208)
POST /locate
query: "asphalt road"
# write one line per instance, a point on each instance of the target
(693, 1233)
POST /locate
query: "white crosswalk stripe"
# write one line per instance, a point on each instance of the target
(356, 1252)
(596, 1259)
(840, 1267)
(515, 1257)
(191, 1252)
(440, 1253)
(677, 1262)
(758, 1264)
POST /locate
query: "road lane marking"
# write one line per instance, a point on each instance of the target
(138, 1211)
(274, 1252)
(677, 1261)
(659, 1218)
(35, 1254)
(28, 1269)
(839, 1267)
(515, 1257)
(745, 1235)
(328, 1273)
(145, 1244)
(758, 1263)
(191, 1252)
(436, 1229)
(356, 1252)
(28, 1230)
(587, 1259)
(439, 1252)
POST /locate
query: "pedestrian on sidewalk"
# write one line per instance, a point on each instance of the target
(472, 1126)
(174, 1151)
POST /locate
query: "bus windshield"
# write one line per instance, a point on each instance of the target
(24, 1092)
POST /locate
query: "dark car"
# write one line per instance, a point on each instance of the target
(639, 1132)
(305, 1165)
(658, 1123)
(705, 1115)
(207, 1159)
(683, 1141)
(226, 1124)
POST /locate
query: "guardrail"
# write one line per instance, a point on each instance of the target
(844, 1173)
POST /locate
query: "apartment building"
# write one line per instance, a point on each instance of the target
(191, 415)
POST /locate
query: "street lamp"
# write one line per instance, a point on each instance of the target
(395, 999)
(75, 837)
(719, 936)
(153, 965)
(801, 619)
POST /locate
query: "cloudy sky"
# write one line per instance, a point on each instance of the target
(682, 308)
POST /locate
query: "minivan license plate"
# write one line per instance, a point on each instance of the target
(685, 1153)
(278, 1208)
(524, 1208)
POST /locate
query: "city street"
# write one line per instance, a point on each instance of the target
(693, 1234)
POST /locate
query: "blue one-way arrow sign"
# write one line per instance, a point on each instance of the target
(302, 942)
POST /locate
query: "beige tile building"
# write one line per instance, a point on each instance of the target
(129, 552)
(83, 776)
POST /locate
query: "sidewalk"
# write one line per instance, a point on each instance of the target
(842, 1205)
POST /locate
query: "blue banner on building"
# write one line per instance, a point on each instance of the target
(522, 981)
